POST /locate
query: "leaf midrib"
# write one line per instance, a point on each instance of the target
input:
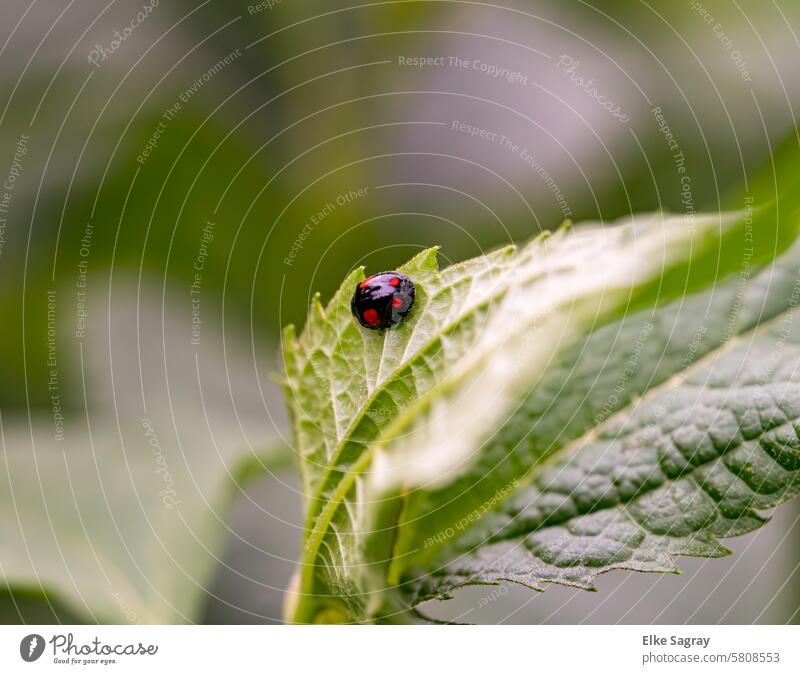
(318, 525)
(318, 521)
(333, 463)
(676, 380)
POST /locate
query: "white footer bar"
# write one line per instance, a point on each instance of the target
(406, 650)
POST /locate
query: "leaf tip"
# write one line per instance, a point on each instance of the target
(426, 260)
(289, 334)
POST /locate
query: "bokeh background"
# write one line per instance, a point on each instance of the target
(181, 177)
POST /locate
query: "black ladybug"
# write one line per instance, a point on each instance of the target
(383, 300)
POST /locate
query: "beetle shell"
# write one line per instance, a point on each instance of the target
(383, 300)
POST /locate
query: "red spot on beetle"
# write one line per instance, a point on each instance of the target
(371, 316)
(382, 300)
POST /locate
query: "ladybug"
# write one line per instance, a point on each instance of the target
(383, 300)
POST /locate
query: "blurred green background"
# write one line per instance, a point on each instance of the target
(200, 170)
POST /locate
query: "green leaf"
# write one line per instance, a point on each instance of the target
(691, 463)
(90, 523)
(21, 606)
(406, 434)
(119, 515)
